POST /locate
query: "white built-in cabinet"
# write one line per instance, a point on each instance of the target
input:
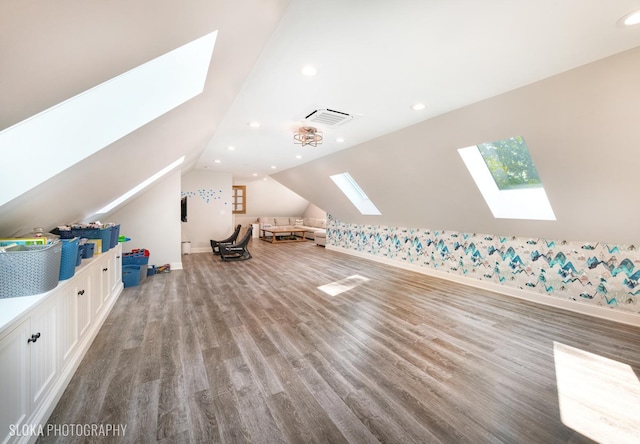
(41, 347)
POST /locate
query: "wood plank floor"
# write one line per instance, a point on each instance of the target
(254, 351)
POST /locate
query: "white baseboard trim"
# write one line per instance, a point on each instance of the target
(565, 304)
(201, 250)
(176, 265)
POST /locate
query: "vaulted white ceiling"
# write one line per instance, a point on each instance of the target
(375, 59)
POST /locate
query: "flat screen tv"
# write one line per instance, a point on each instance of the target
(183, 209)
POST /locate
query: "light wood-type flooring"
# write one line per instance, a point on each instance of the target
(256, 351)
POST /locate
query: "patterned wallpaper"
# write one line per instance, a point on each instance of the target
(599, 274)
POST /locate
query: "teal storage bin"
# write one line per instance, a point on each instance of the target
(131, 275)
(88, 250)
(69, 258)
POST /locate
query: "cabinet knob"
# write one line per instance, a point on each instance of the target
(33, 338)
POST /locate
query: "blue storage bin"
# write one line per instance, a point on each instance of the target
(115, 234)
(88, 250)
(80, 253)
(130, 275)
(136, 257)
(104, 234)
(68, 258)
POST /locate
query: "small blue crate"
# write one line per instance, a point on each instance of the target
(26, 270)
(87, 253)
(68, 258)
(131, 275)
(104, 234)
(80, 254)
(115, 234)
(136, 257)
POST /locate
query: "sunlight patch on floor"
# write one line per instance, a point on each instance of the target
(598, 397)
(346, 284)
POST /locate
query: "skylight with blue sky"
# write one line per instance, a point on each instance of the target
(508, 179)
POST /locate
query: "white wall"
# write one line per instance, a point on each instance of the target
(209, 212)
(269, 198)
(314, 211)
(152, 221)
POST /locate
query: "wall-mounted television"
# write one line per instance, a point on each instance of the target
(183, 209)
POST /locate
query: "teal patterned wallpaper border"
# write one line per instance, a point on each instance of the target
(594, 273)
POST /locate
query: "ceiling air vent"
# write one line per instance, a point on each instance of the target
(328, 117)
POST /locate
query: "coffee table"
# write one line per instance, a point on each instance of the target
(288, 232)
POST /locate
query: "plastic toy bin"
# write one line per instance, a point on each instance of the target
(69, 258)
(136, 257)
(87, 253)
(133, 275)
(115, 234)
(104, 234)
(26, 270)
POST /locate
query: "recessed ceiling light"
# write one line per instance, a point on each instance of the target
(231, 148)
(298, 156)
(217, 161)
(254, 124)
(339, 140)
(273, 167)
(255, 174)
(418, 106)
(309, 71)
(633, 18)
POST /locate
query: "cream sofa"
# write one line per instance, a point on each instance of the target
(310, 224)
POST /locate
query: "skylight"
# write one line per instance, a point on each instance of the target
(68, 132)
(355, 194)
(508, 180)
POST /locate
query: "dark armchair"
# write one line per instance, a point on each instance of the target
(237, 251)
(215, 245)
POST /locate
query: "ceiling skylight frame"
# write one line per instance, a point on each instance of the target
(355, 194)
(528, 203)
(80, 126)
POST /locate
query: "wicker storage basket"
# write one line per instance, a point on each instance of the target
(26, 270)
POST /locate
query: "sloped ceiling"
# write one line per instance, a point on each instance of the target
(375, 58)
(51, 51)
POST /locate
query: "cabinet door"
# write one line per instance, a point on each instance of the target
(14, 383)
(105, 278)
(83, 301)
(96, 295)
(67, 325)
(116, 269)
(43, 351)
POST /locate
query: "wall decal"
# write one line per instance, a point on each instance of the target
(207, 195)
